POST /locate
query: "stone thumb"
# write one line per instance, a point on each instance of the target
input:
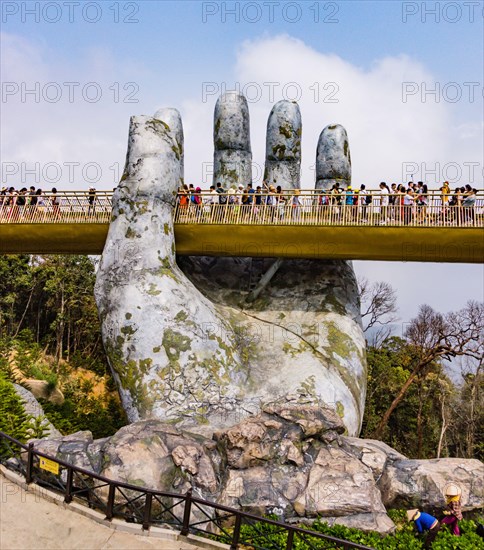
(142, 221)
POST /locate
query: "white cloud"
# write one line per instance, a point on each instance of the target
(384, 131)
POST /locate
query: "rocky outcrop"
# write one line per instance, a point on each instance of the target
(412, 483)
(36, 388)
(184, 343)
(288, 460)
(32, 407)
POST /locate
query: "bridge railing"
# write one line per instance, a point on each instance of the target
(65, 207)
(320, 208)
(148, 507)
(304, 207)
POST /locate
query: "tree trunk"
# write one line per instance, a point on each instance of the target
(60, 328)
(384, 421)
(471, 421)
(419, 424)
(68, 337)
(443, 427)
(25, 312)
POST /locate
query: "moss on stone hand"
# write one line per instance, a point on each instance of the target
(285, 130)
(181, 316)
(175, 343)
(152, 290)
(130, 233)
(128, 330)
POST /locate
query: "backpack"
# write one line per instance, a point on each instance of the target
(368, 198)
(223, 197)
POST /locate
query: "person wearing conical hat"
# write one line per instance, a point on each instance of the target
(425, 524)
(453, 510)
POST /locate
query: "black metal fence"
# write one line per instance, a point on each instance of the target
(185, 513)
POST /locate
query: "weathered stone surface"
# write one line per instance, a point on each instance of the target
(283, 145)
(378, 522)
(338, 484)
(374, 454)
(154, 321)
(171, 117)
(270, 464)
(198, 354)
(263, 439)
(313, 420)
(333, 160)
(40, 389)
(73, 448)
(420, 483)
(32, 407)
(301, 338)
(232, 159)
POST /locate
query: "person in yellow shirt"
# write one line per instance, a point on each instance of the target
(453, 510)
(445, 192)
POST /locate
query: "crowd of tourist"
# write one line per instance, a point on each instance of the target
(23, 203)
(413, 203)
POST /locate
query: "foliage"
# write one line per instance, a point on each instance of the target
(49, 328)
(13, 419)
(52, 297)
(436, 417)
(102, 415)
(404, 538)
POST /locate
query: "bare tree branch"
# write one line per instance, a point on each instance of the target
(378, 303)
(433, 336)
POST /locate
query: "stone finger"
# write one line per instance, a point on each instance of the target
(283, 146)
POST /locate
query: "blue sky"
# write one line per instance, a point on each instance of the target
(171, 50)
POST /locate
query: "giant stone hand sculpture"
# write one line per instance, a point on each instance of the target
(183, 341)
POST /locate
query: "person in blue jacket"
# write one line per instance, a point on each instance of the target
(425, 524)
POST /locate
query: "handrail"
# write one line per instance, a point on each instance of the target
(146, 498)
(301, 207)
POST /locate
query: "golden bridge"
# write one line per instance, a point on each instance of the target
(294, 224)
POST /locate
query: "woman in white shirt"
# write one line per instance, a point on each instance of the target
(408, 201)
(384, 201)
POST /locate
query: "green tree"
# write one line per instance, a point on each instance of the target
(13, 419)
(433, 337)
(16, 292)
(414, 426)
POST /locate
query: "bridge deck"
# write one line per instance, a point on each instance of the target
(418, 244)
(309, 230)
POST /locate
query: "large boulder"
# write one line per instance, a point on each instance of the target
(413, 483)
(373, 453)
(33, 408)
(288, 460)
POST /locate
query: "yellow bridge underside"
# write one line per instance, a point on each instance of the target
(403, 244)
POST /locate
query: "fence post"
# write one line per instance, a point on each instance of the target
(290, 539)
(110, 506)
(30, 463)
(68, 497)
(147, 512)
(187, 513)
(236, 533)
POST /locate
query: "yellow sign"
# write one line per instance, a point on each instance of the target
(49, 465)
